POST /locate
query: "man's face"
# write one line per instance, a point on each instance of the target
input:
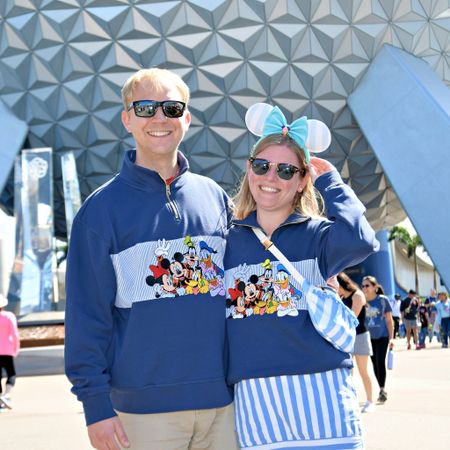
(156, 136)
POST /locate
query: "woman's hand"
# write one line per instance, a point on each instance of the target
(319, 166)
(333, 283)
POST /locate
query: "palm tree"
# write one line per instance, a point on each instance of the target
(412, 242)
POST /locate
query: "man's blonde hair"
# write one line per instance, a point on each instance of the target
(309, 202)
(159, 78)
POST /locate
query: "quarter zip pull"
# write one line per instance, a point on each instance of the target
(172, 205)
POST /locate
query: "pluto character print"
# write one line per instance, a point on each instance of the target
(166, 269)
(262, 289)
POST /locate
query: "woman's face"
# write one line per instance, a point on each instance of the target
(270, 192)
(368, 288)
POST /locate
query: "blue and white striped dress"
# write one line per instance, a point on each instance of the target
(317, 411)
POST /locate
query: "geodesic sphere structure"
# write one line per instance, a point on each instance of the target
(63, 63)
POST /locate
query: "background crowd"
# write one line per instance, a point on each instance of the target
(382, 320)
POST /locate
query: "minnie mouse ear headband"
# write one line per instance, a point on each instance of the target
(310, 135)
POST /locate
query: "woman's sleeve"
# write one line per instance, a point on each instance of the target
(387, 305)
(346, 238)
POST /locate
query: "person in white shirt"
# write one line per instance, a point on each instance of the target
(395, 305)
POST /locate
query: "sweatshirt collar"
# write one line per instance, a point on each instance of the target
(250, 221)
(148, 179)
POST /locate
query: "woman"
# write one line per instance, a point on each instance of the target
(293, 388)
(9, 347)
(353, 298)
(380, 325)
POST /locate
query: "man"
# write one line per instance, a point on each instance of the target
(430, 303)
(145, 334)
(395, 305)
(408, 310)
(432, 298)
(424, 321)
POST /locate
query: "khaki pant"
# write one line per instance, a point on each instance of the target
(203, 429)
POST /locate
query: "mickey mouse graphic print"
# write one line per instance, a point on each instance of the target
(263, 289)
(169, 269)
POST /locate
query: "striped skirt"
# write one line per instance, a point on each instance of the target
(314, 411)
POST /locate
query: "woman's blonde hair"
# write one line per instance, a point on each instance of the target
(308, 202)
(158, 78)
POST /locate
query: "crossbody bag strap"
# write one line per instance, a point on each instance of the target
(269, 245)
(330, 317)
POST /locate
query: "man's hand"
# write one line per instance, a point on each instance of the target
(319, 166)
(106, 434)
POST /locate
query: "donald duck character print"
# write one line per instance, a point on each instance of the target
(262, 289)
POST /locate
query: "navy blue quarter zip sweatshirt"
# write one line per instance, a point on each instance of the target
(145, 328)
(270, 332)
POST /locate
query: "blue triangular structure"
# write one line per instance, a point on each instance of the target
(403, 109)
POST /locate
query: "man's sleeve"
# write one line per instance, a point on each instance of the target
(90, 292)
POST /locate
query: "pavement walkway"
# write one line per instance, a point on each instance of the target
(415, 417)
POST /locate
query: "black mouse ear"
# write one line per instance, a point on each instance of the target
(254, 279)
(178, 257)
(241, 286)
(165, 263)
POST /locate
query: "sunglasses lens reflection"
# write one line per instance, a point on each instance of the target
(144, 110)
(147, 108)
(286, 171)
(173, 109)
(261, 167)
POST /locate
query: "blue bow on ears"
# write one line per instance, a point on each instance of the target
(297, 130)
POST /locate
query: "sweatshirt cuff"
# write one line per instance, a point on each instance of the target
(97, 408)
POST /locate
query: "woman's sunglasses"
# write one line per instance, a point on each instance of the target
(147, 108)
(284, 170)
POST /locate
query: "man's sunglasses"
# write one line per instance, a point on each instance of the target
(284, 170)
(147, 108)
(366, 285)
